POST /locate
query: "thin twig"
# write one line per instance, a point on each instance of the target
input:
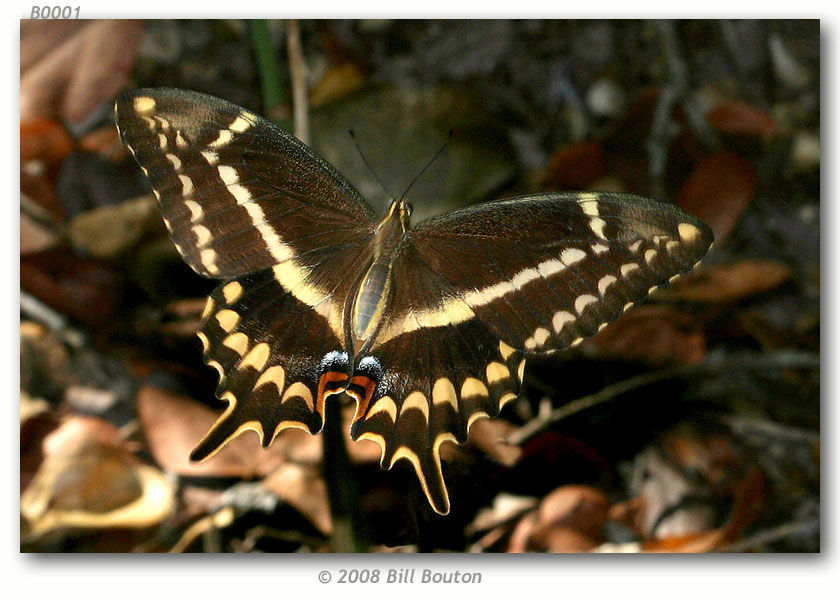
(780, 360)
(297, 68)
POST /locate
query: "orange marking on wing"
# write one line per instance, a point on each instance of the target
(367, 384)
(326, 378)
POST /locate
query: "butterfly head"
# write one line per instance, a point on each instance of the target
(399, 211)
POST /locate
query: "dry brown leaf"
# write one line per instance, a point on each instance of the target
(174, 424)
(94, 486)
(304, 489)
(338, 81)
(576, 166)
(727, 283)
(655, 334)
(78, 430)
(44, 140)
(108, 231)
(489, 436)
(740, 118)
(719, 191)
(581, 507)
(67, 71)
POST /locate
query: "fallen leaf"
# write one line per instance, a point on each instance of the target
(337, 81)
(69, 72)
(44, 140)
(304, 489)
(655, 334)
(77, 430)
(580, 507)
(719, 191)
(728, 283)
(108, 231)
(739, 118)
(575, 167)
(94, 486)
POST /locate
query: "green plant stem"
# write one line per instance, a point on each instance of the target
(266, 55)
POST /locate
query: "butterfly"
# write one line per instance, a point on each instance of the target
(427, 327)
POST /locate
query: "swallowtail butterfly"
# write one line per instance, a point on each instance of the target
(427, 327)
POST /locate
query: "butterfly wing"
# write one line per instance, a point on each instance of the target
(249, 204)
(237, 193)
(476, 289)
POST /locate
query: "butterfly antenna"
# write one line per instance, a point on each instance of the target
(367, 164)
(429, 164)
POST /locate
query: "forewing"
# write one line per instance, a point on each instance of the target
(545, 272)
(237, 193)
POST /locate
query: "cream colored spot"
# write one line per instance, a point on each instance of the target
(232, 292)
(225, 136)
(473, 387)
(180, 142)
(671, 245)
(196, 212)
(151, 123)
(650, 255)
(560, 319)
(238, 342)
(239, 125)
(506, 398)
(187, 188)
(523, 277)
(168, 224)
(218, 367)
(299, 389)
(228, 175)
(570, 256)
(162, 141)
(605, 282)
(157, 194)
(275, 375)
(583, 301)
(657, 239)
(541, 335)
(497, 372)
(202, 235)
(602, 325)
(417, 400)
(575, 342)
(597, 224)
(208, 259)
(243, 197)
(599, 249)
(211, 157)
(688, 232)
(530, 343)
(228, 319)
(505, 350)
(589, 206)
(205, 343)
(384, 404)
(627, 307)
(628, 268)
(634, 247)
(257, 357)
(208, 308)
(443, 392)
(176, 162)
(550, 267)
(144, 105)
(673, 278)
(521, 370)
(652, 289)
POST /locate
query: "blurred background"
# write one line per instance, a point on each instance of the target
(689, 425)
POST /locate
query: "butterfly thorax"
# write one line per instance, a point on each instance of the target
(372, 292)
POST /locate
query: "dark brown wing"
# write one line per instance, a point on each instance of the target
(474, 289)
(237, 193)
